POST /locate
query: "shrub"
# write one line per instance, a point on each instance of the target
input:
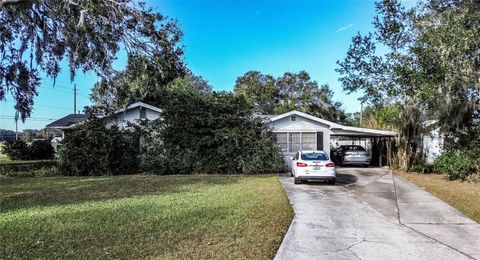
(456, 164)
(16, 150)
(93, 149)
(41, 150)
(461, 158)
(29, 169)
(209, 133)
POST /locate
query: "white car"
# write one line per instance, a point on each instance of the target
(312, 166)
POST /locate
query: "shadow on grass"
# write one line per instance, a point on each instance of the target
(87, 233)
(36, 192)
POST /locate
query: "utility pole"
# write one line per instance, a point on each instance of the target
(75, 98)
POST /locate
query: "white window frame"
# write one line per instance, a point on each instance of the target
(289, 143)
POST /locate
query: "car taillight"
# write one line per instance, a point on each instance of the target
(330, 164)
(301, 164)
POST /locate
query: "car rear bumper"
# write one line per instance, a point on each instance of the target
(316, 178)
(356, 160)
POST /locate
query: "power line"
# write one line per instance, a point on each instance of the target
(41, 105)
(65, 90)
(46, 118)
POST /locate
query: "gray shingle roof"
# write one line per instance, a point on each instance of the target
(67, 121)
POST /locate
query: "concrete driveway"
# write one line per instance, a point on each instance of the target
(371, 214)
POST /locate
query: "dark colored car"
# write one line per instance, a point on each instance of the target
(351, 155)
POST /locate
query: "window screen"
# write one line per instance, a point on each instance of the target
(143, 113)
(308, 141)
(282, 141)
(294, 142)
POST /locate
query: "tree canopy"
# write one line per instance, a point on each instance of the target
(430, 58)
(291, 91)
(425, 60)
(36, 36)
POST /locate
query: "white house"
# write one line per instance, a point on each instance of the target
(131, 114)
(300, 131)
(433, 143)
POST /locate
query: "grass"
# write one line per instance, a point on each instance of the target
(464, 196)
(141, 216)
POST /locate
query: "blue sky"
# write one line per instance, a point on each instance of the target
(225, 39)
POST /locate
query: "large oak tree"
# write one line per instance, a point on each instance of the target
(36, 36)
(426, 61)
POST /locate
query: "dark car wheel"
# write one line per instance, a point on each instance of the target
(296, 181)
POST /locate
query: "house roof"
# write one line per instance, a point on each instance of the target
(337, 129)
(139, 104)
(75, 119)
(67, 121)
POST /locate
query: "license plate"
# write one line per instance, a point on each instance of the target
(317, 168)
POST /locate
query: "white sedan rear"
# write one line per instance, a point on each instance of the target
(313, 166)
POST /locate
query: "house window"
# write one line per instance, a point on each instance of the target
(294, 142)
(308, 141)
(293, 118)
(143, 113)
(282, 141)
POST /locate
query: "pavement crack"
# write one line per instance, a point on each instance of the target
(349, 247)
(396, 198)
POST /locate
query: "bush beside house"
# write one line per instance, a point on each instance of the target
(209, 133)
(20, 150)
(93, 149)
(461, 159)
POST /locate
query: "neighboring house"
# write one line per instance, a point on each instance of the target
(66, 122)
(131, 114)
(433, 143)
(300, 131)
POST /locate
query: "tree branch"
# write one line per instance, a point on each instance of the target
(10, 2)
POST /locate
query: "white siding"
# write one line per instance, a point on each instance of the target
(131, 116)
(433, 145)
(301, 125)
(152, 115)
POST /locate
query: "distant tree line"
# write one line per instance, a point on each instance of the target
(29, 135)
(292, 91)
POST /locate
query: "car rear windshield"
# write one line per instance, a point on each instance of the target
(314, 156)
(354, 148)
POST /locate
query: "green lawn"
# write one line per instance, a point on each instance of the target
(464, 196)
(143, 216)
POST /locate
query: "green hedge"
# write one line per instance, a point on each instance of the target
(461, 159)
(94, 149)
(29, 168)
(213, 133)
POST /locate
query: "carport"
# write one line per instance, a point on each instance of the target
(300, 131)
(381, 142)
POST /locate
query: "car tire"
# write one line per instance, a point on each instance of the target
(291, 174)
(332, 182)
(296, 181)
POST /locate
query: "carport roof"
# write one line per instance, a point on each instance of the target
(337, 129)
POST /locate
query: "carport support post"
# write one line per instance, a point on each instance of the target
(389, 150)
(380, 151)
